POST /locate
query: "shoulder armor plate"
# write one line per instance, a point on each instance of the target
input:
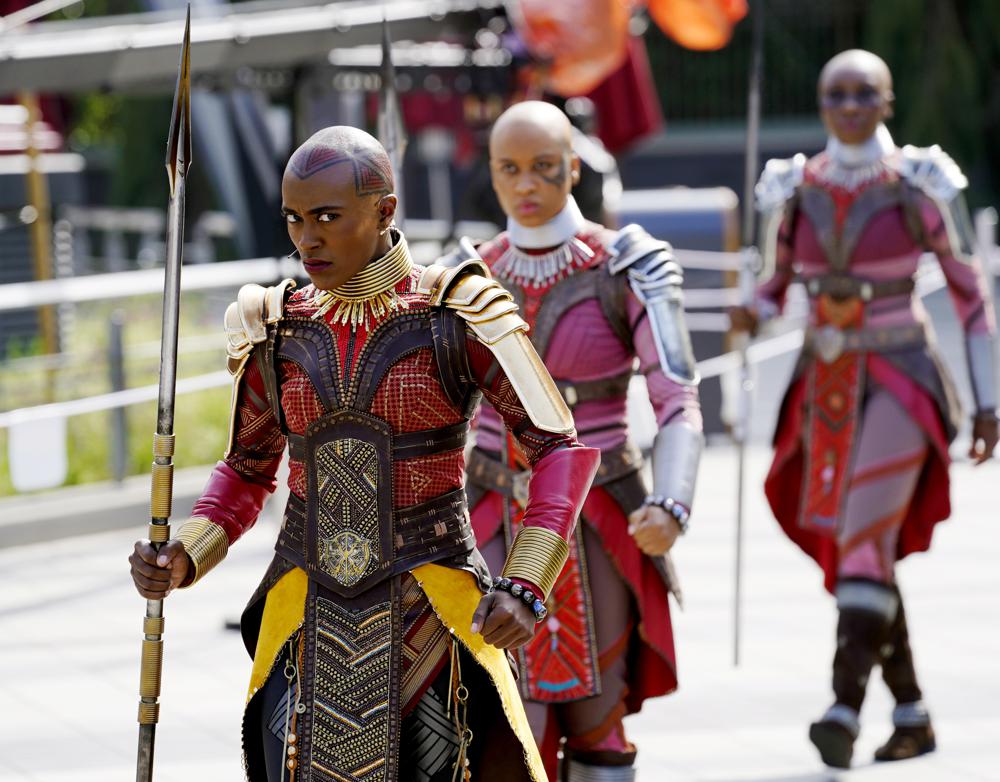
(634, 247)
(656, 279)
(437, 279)
(933, 171)
(248, 317)
(778, 182)
(490, 313)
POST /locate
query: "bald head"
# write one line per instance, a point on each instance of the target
(532, 163)
(857, 61)
(532, 118)
(342, 145)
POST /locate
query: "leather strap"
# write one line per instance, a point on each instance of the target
(845, 286)
(486, 471)
(427, 532)
(869, 340)
(409, 445)
(590, 390)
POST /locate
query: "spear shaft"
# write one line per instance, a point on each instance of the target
(749, 265)
(178, 160)
(391, 132)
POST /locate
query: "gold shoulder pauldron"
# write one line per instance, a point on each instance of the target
(490, 314)
(246, 324)
(248, 317)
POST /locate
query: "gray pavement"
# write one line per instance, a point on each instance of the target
(70, 642)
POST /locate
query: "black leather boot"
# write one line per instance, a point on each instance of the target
(913, 734)
(597, 766)
(867, 609)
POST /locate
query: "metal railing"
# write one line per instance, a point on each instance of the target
(234, 273)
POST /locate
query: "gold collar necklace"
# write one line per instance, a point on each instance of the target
(371, 293)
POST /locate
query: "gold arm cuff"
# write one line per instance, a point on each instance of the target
(205, 542)
(537, 555)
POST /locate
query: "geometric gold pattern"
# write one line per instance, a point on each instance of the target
(350, 709)
(348, 534)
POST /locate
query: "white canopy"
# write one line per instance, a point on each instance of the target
(139, 51)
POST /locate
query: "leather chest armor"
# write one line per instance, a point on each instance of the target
(347, 535)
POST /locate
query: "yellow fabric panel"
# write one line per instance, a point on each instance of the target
(454, 595)
(284, 611)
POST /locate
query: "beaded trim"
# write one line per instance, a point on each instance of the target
(527, 269)
(371, 293)
(851, 166)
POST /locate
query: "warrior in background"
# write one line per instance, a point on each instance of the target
(376, 655)
(860, 473)
(599, 303)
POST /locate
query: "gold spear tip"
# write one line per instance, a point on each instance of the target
(179, 139)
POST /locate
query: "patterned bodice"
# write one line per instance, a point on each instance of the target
(589, 328)
(389, 370)
(876, 231)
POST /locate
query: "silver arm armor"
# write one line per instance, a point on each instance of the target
(676, 453)
(932, 171)
(774, 190)
(980, 350)
(656, 278)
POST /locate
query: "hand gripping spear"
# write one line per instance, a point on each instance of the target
(178, 161)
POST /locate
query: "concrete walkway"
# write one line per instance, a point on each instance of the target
(70, 642)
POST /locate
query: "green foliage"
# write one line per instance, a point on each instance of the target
(201, 419)
(945, 58)
(944, 55)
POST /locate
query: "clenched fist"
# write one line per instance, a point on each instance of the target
(505, 621)
(653, 529)
(157, 573)
(984, 437)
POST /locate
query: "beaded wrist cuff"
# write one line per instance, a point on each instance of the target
(537, 555)
(526, 596)
(681, 514)
(205, 542)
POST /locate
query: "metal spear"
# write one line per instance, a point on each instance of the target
(178, 161)
(391, 132)
(749, 265)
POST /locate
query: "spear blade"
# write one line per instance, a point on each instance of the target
(178, 162)
(391, 132)
(179, 137)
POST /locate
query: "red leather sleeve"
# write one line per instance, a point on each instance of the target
(559, 484)
(231, 501)
(238, 486)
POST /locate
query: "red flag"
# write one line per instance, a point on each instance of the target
(628, 108)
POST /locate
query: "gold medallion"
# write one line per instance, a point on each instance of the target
(345, 556)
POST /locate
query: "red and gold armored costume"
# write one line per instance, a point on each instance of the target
(360, 626)
(607, 644)
(860, 473)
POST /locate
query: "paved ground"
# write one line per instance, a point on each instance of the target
(70, 642)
